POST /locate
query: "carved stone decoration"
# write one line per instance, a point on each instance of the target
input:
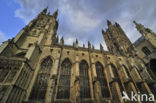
(90, 75)
(97, 91)
(75, 98)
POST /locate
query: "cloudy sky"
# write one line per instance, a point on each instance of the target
(81, 19)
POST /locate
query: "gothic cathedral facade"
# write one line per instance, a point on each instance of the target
(36, 68)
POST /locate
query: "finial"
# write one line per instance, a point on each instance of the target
(134, 22)
(89, 45)
(101, 47)
(117, 24)
(45, 9)
(62, 40)
(76, 41)
(109, 23)
(55, 14)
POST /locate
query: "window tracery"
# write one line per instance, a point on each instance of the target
(84, 80)
(40, 86)
(64, 82)
(102, 79)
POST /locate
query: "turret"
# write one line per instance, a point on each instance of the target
(62, 41)
(148, 34)
(116, 39)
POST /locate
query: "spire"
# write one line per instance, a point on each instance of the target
(135, 22)
(45, 10)
(138, 26)
(55, 14)
(103, 32)
(147, 33)
(62, 41)
(89, 45)
(116, 24)
(109, 23)
(76, 43)
(101, 47)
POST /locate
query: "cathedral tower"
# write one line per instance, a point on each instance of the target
(36, 68)
(19, 57)
(116, 39)
(148, 34)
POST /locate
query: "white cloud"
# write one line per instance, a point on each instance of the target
(69, 40)
(86, 18)
(79, 19)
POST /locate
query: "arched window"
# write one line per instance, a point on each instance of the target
(115, 72)
(40, 86)
(84, 80)
(102, 79)
(146, 51)
(64, 82)
(114, 69)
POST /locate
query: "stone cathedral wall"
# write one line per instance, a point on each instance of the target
(36, 68)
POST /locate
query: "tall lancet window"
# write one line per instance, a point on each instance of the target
(115, 72)
(64, 82)
(41, 84)
(102, 79)
(84, 80)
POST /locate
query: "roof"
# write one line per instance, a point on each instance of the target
(140, 40)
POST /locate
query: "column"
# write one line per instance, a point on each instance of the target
(76, 89)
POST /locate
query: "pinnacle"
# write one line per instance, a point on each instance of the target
(109, 22)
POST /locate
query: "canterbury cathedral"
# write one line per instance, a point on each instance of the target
(35, 67)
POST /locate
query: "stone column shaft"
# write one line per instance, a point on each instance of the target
(52, 79)
(77, 67)
(93, 69)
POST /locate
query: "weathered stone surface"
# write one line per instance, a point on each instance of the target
(26, 76)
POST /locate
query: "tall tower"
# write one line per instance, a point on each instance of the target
(148, 34)
(19, 57)
(116, 39)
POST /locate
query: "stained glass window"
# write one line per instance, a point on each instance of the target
(84, 80)
(102, 79)
(40, 86)
(64, 82)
